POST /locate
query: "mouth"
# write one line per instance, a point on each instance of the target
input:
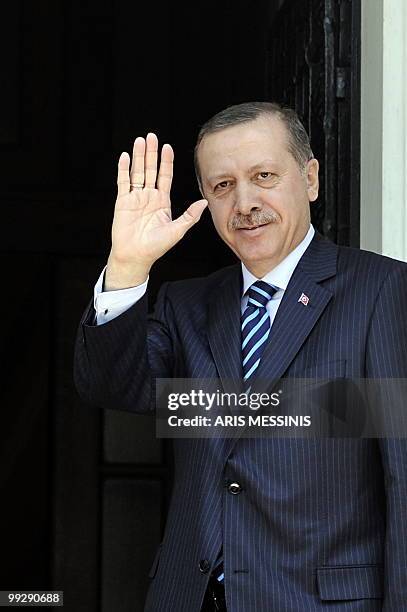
(253, 228)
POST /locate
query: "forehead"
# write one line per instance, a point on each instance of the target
(243, 145)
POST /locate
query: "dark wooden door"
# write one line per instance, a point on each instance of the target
(314, 66)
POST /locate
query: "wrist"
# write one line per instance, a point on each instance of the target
(123, 276)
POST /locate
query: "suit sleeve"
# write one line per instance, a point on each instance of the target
(387, 359)
(115, 364)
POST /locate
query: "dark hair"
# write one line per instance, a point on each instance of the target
(298, 141)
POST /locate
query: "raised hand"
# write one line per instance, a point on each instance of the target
(143, 228)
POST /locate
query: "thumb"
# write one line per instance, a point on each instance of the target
(191, 216)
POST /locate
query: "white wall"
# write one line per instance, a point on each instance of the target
(384, 127)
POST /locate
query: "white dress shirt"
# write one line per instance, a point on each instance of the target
(110, 304)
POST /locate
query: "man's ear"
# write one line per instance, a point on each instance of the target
(312, 170)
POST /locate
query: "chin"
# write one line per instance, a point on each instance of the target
(259, 254)
(255, 260)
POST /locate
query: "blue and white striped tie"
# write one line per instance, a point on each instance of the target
(255, 331)
(255, 328)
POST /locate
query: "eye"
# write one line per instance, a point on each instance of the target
(221, 185)
(265, 175)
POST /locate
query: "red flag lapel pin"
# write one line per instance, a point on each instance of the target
(304, 299)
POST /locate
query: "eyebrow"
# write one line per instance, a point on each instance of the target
(255, 167)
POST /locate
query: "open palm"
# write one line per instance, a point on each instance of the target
(143, 228)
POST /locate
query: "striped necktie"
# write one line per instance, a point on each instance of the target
(255, 331)
(255, 328)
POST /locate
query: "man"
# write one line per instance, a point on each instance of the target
(268, 524)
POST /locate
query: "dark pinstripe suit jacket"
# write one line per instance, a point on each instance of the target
(320, 523)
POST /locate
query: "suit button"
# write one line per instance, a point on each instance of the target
(204, 566)
(234, 488)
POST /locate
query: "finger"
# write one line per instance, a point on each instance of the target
(166, 169)
(191, 216)
(123, 179)
(137, 164)
(151, 160)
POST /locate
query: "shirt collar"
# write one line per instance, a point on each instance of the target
(281, 274)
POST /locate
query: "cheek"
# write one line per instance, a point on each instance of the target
(286, 204)
(219, 220)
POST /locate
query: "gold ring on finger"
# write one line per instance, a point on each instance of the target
(137, 185)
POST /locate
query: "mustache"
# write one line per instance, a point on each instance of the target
(257, 217)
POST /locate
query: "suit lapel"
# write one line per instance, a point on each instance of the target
(295, 319)
(292, 325)
(224, 328)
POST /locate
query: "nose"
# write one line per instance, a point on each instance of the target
(243, 197)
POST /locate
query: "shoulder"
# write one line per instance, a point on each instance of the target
(369, 267)
(202, 287)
